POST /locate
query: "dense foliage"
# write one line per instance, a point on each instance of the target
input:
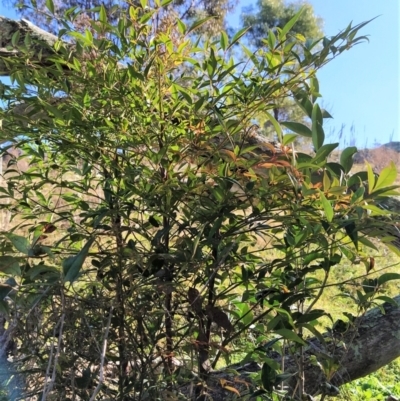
(157, 235)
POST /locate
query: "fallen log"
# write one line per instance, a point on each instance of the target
(367, 344)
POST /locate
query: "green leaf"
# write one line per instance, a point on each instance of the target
(386, 177)
(304, 102)
(318, 135)
(324, 151)
(369, 285)
(268, 377)
(315, 332)
(388, 277)
(388, 300)
(376, 211)
(15, 38)
(50, 6)
(181, 27)
(328, 209)
(371, 178)
(5, 289)
(259, 392)
(276, 125)
(290, 24)
(165, 3)
(395, 249)
(20, 243)
(10, 265)
(282, 377)
(346, 158)
(153, 221)
(224, 41)
(271, 39)
(268, 345)
(325, 114)
(314, 85)
(290, 335)
(146, 17)
(246, 315)
(351, 231)
(289, 138)
(310, 316)
(42, 270)
(73, 264)
(196, 242)
(103, 14)
(298, 128)
(350, 255)
(365, 241)
(357, 179)
(237, 36)
(358, 195)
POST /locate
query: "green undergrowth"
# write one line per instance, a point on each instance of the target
(376, 386)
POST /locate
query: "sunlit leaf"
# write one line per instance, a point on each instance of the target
(289, 25)
(224, 41)
(50, 6)
(103, 14)
(237, 37)
(181, 27)
(289, 138)
(276, 125)
(386, 177)
(371, 178)
(328, 209)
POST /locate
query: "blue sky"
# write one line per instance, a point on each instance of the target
(361, 88)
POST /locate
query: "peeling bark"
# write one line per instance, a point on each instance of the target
(41, 41)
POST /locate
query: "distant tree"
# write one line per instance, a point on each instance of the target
(187, 10)
(262, 22)
(272, 14)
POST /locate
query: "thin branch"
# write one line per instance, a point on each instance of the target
(60, 324)
(103, 356)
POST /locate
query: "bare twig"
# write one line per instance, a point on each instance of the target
(59, 325)
(103, 355)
